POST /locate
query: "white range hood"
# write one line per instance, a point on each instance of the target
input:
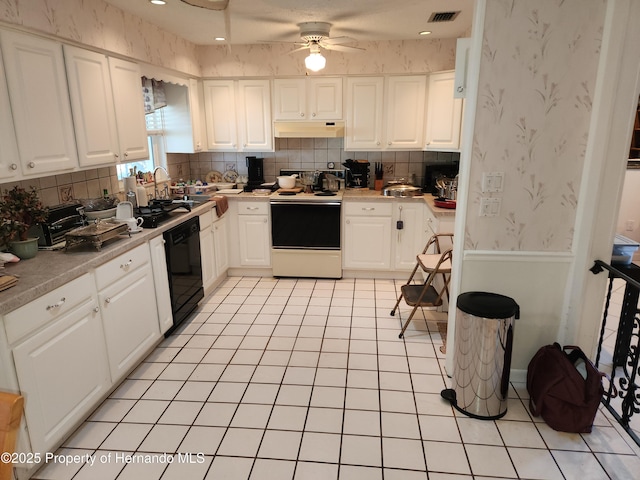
(308, 129)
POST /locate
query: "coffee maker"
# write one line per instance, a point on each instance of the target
(358, 173)
(255, 170)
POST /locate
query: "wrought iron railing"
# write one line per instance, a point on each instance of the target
(622, 397)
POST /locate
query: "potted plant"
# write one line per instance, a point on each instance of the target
(19, 210)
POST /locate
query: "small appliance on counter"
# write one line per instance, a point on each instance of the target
(357, 173)
(61, 219)
(255, 176)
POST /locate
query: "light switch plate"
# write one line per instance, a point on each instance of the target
(490, 207)
(492, 182)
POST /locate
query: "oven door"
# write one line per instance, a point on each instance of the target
(305, 225)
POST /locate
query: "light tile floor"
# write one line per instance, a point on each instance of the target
(304, 379)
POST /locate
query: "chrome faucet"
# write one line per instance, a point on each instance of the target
(155, 181)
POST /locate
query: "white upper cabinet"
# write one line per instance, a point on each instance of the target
(444, 113)
(254, 116)
(39, 99)
(401, 105)
(195, 107)
(129, 108)
(9, 157)
(220, 114)
(318, 98)
(94, 115)
(364, 113)
(182, 124)
(238, 115)
(404, 114)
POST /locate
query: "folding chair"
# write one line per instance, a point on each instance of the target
(426, 294)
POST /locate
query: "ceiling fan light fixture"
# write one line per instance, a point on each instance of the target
(315, 61)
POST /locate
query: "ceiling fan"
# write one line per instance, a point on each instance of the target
(315, 36)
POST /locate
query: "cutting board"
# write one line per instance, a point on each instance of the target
(292, 190)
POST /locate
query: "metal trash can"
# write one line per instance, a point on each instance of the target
(482, 355)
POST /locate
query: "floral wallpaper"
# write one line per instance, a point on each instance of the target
(532, 120)
(408, 56)
(100, 25)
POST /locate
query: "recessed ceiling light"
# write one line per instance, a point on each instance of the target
(220, 39)
(158, 2)
(425, 32)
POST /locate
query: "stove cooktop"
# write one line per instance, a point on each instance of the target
(315, 196)
(157, 212)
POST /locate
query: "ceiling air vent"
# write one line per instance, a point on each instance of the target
(443, 16)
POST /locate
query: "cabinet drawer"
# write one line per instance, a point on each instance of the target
(205, 220)
(253, 208)
(120, 266)
(47, 308)
(372, 209)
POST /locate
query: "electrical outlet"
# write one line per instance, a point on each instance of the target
(630, 225)
(490, 207)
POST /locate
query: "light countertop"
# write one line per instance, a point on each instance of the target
(52, 269)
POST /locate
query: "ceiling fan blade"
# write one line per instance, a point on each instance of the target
(298, 49)
(342, 48)
(338, 40)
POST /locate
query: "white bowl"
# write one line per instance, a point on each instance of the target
(108, 213)
(287, 181)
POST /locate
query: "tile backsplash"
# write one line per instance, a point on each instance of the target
(291, 153)
(316, 153)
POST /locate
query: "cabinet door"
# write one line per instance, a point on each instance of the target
(364, 113)
(161, 282)
(63, 373)
(40, 103)
(94, 115)
(9, 152)
(130, 321)
(325, 98)
(195, 107)
(367, 243)
(208, 258)
(410, 240)
(444, 113)
(221, 249)
(220, 114)
(254, 240)
(129, 107)
(405, 108)
(254, 115)
(289, 98)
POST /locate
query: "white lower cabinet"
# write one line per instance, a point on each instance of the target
(213, 249)
(207, 252)
(411, 238)
(367, 235)
(375, 240)
(127, 298)
(62, 367)
(161, 282)
(220, 245)
(254, 234)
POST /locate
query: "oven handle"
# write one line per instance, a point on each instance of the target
(302, 202)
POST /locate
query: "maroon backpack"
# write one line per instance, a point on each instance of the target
(567, 398)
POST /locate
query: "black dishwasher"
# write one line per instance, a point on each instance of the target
(182, 248)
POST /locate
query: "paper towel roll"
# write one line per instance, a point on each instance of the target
(130, 184)
(141, 196)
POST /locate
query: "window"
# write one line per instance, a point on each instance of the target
(157, 153)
